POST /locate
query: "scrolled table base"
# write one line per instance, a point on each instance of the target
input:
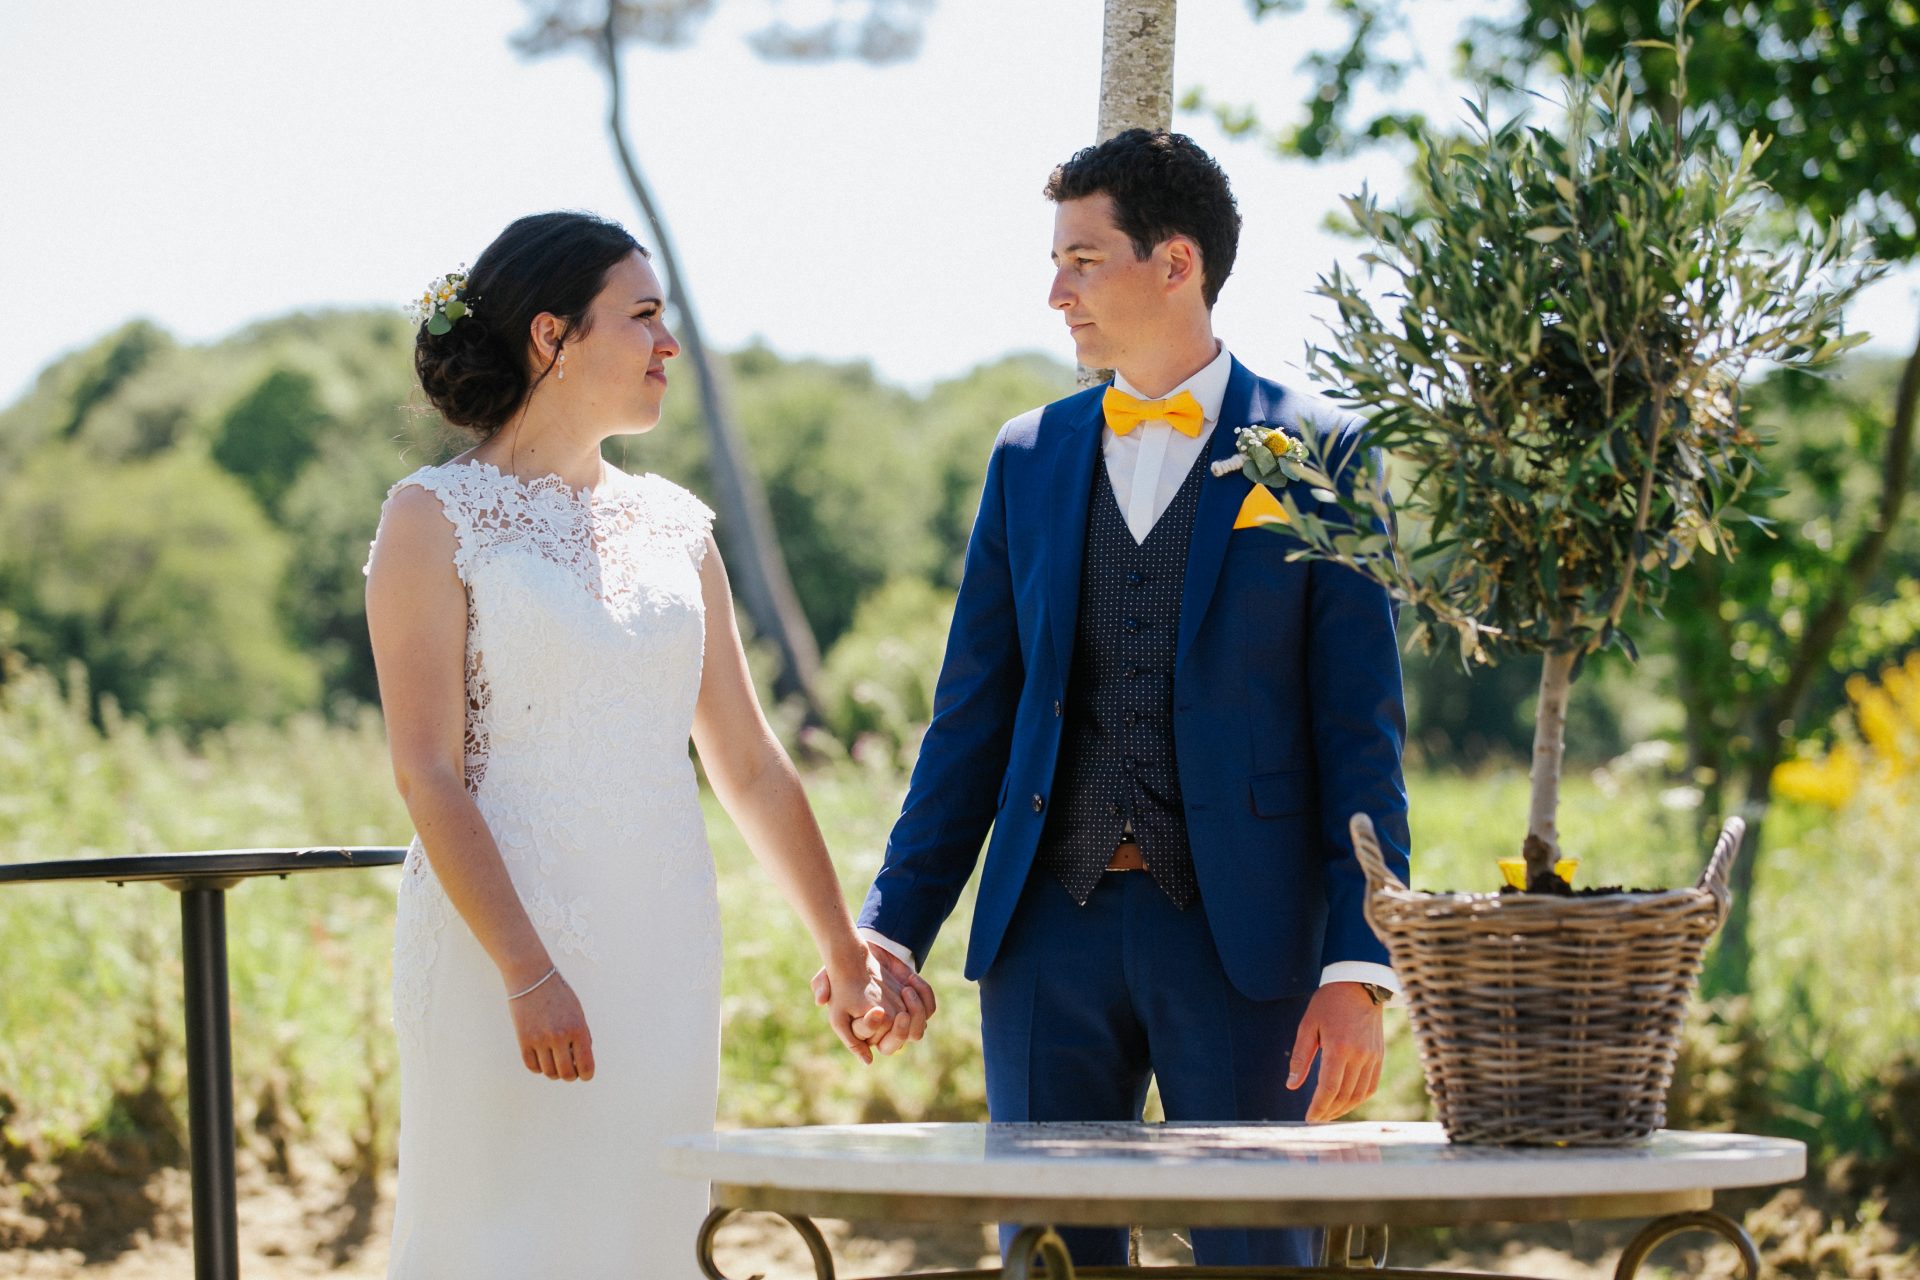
(1660, 1230)
(1037, 1253)
(1339, 1253)
(816, 1244)
(1042, 1245)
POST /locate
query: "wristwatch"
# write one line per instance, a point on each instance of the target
(1376, 993)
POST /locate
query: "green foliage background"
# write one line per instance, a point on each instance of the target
(90, 1004)
(183, 664)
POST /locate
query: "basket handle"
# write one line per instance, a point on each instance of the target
(1366, 847)
(1725, 849)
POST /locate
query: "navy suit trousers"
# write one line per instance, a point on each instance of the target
(1083, 1005)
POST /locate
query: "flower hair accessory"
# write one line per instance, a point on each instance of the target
(1269, 455)
(444, 302)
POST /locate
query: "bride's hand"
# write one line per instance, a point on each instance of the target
(552, 1029)
(904, 996)
(860, 1005)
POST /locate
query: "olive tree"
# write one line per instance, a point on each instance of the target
(1557, 368)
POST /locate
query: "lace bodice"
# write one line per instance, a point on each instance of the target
(560, 581)
(584, 645)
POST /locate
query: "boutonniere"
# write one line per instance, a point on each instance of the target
(1268, 453)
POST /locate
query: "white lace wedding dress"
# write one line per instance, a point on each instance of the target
(585, 629)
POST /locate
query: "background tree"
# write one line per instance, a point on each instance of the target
(1136, 83)
(161, 583)
(272, 433)
(1136, 67)
(305, 420)
(876, 31)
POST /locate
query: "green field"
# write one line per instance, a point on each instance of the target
(89, 975)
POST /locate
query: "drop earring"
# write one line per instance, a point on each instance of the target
(562, 375)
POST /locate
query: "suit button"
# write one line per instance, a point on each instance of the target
(1135, 579)
(1133, 671)
(1131, 624)
(1133, 718)
(1038, 804)
(1056, 708)
(1113, 810)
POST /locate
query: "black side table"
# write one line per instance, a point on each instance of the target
(202, 881)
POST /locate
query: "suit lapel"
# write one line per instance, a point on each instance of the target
(1220, 499)
(1070, 492)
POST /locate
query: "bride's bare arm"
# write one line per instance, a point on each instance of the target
(758, 785)
(417, 617)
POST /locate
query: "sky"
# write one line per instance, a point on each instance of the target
(208, 165)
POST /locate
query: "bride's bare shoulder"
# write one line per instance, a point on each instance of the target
(417, 532)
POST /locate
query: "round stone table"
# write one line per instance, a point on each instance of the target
(202, 880)
(1355, 1179)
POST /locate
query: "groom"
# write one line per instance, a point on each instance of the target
(1165, 722)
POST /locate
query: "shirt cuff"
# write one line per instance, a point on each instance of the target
(1363, 971)
(888, 945)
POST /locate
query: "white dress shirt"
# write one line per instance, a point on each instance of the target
(1146, 468)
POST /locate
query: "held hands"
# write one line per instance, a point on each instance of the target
(552, 1030)
(896, 1010)
(1342, 1025)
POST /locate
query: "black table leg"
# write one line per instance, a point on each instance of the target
(216, 1230)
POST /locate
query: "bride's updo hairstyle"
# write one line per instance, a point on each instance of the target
(478, 373)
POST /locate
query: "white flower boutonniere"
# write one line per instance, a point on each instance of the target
(1269, 454)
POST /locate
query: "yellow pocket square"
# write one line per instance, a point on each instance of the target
(1261, 507)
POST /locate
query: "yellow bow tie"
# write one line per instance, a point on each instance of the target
(1181, 412)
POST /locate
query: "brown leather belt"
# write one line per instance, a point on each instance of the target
(1127, 857)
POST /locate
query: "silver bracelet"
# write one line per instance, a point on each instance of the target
(536, 986)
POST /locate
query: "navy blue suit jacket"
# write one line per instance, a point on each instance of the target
(1288, 715)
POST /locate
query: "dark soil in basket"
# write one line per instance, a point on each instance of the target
(1565, 891)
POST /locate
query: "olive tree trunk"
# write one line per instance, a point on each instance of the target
(1549, 751)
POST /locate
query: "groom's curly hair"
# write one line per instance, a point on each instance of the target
(1162, 185)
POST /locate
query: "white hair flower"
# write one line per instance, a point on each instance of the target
(444, 302)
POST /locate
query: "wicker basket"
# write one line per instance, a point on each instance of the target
(1543, 1019)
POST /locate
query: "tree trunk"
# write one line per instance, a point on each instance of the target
(1735, 962)
(1136, 83)
(759, 570)
(1136, 67)
(1549, 749)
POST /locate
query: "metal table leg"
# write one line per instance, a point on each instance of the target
(1358, 1247)
(1662, 1229)
(216, 1231)
(810, 1234)
(1042, 1245)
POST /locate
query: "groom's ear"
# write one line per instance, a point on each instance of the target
(1184, 268)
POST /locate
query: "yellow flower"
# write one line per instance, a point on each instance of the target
(1888, 716)
(1830, 782)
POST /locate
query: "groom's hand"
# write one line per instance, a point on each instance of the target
(1343, 1026)
(905, 990)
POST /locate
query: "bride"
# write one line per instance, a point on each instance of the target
(548, 630)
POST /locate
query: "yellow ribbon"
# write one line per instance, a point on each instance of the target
(1124, 412)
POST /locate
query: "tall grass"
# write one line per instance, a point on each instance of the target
(87, 971)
